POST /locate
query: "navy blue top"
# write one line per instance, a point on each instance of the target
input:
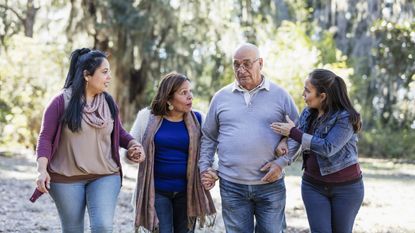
(170, 160)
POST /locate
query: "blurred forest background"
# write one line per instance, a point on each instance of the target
(370, 43)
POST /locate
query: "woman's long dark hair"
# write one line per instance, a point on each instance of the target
(337, 99)
(82, 60)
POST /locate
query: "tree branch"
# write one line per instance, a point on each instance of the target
(12, 10)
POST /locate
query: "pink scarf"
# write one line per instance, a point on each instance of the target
(97, 114)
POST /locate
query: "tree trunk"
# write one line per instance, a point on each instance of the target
(29, 21)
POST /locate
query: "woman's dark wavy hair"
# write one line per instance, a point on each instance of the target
(337, 99)
(82, 60)
(170, 83)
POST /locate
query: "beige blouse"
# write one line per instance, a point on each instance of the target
(88, 151)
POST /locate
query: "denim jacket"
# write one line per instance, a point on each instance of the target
(333, 141)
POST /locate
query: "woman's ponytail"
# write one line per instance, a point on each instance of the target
(72, 67)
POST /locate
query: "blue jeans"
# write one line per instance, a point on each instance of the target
(99, 195)
(171, 209)
(334, 208)
(241, 203)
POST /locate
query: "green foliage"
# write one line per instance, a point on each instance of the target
(388, 143)
(29, 77)
(387, 93)
(10, 24)
(327, 47)
(391, 83)
(290, 55)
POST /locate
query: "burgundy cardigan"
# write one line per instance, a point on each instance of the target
(50, 133)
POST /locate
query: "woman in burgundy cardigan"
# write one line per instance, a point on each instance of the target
(77, 152)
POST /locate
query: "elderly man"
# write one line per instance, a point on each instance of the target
(237, 127)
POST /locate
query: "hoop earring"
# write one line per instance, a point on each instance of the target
(170, 106)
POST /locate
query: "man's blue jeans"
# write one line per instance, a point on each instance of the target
(171, 208)
(334, 208)
(241, 203)
(99, 196)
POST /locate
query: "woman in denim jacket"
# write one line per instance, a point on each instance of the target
(332, 187)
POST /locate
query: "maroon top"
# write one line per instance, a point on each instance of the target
(312, 169)
(50, 132)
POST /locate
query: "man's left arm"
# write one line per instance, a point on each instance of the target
(276, 166)
(293, 146)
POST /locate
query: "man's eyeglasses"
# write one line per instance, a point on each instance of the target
(246, 63)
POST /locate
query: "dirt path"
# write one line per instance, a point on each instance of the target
(388, 205)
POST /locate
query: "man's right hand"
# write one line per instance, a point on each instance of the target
(209, 178)
(274, 172)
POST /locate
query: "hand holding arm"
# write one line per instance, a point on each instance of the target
(282, 127)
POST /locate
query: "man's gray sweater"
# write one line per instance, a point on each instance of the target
(240, 132)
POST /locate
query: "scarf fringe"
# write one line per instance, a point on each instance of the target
(207, 222)
(142, 229)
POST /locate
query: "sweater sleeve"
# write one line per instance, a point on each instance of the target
(209, 142)
(125, 137)
(291, 156)
(140, 124)
(49, 126)
(296, 134)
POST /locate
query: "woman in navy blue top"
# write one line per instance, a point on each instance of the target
(170, 163)
(332, 186)
(169, 195)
